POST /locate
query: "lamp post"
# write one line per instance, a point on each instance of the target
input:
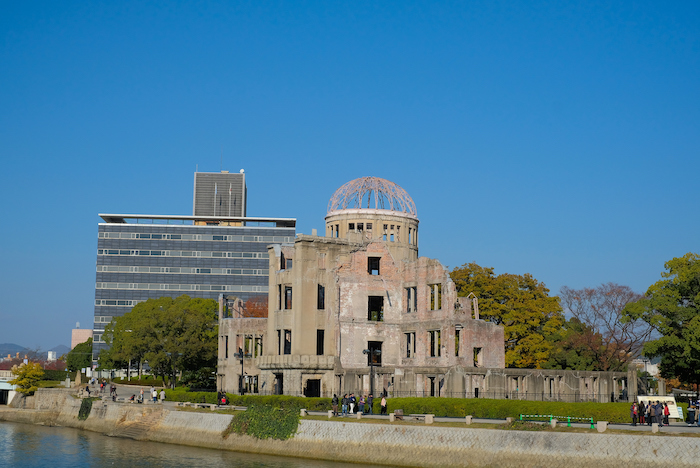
(371, 355)
(172, 366)
(240, 355)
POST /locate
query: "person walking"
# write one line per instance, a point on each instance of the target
(383, 404)
(154, 394)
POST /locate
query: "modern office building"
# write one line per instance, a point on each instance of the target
(150, 256)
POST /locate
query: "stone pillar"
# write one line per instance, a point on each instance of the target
(602, 426)
(429, 418)
(330, 414)
(468, 420)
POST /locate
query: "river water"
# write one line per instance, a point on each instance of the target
(29, 446)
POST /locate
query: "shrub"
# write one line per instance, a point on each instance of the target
(85, 408)
(265, 422)
(145, 380)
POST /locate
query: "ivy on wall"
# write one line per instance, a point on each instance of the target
(265, 422)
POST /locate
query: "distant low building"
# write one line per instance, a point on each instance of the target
(79, 335)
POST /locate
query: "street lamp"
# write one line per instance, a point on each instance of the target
(172, 366)
(240, 355)
(372, 354)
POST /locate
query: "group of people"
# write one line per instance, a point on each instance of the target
(349, 404)
(652, 412)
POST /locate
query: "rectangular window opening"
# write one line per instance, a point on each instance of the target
(321, 297)
(410, 339)
(319, 342)
(287, 297)
(288, 342)
(411, 299)
(375, 308)
(434, 343)
(435, 296)
(373, 265)
(477, 357)
(374, 357)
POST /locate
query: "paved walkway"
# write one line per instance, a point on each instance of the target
(125, 391)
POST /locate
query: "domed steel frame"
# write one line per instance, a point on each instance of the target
(360, 193)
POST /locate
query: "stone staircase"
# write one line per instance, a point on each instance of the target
(138, 429)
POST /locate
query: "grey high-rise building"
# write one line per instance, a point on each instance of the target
(150, 256)
(219, 194)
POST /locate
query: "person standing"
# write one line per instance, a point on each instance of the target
(334, 404)
(362, 404)
(383, 403)
(161, 395)
(370, 402)
(154, 394)
(353, 400)
(633, 413)
(641, 408)
(345, 405)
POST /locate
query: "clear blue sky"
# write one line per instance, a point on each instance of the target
(553, 138)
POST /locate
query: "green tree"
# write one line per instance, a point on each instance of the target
(26, 377)
(80, 357)
(576, 346)
(671, 307)
(171, 334)
(521, 304)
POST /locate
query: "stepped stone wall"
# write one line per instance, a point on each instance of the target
(401, 445)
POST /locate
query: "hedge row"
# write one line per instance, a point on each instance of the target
(442, 407)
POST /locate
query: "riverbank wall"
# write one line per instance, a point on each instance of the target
(398, 445)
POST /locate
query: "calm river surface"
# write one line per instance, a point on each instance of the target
(28, 446)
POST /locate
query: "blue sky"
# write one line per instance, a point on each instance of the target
(553, 138)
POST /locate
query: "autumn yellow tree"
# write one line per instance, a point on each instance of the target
(521, 304)
(26, 377)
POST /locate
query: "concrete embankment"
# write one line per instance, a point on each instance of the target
(401, 445)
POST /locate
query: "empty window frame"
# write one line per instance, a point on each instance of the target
(248, 344)
(434, 343)
(287, 297)
(410, 339)
(360, 226)
(375, 308)
(319, 342)
(411, 299)
(369, 226)
(279, 297)
(351, 226)
(374, 357)
(478, 357)
(321, 297)
(279, 342)
(258, 350)
(373, 265)
(435, 296)
(288, 342)
(226, 349)
(457, 336)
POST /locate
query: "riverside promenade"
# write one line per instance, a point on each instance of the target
(376, 441)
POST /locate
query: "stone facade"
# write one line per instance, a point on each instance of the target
(357, 310)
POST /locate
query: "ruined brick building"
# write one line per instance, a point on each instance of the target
(357, 310)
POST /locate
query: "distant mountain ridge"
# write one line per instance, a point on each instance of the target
(13, 349)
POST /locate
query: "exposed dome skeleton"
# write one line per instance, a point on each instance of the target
(372, 193)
